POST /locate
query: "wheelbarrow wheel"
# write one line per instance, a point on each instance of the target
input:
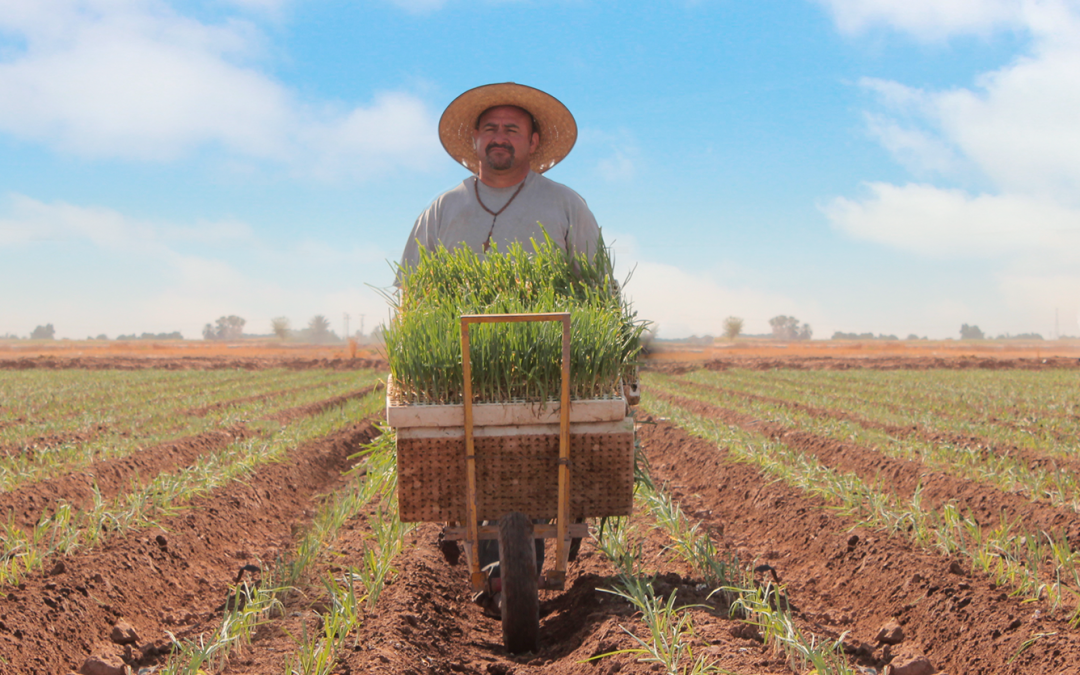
(520, 598)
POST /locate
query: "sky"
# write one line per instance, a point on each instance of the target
(887, 166)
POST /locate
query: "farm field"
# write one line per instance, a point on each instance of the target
(242, 520)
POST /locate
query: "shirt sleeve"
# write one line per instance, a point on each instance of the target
(424, 233)
(584, 234)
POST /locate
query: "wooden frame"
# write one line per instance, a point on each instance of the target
(555, 578)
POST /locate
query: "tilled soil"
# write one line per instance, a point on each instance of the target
(843, 581)
(903, 477)
(28, 503)
(426, 623)
(170, 579)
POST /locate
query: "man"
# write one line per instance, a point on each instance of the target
(506, 135)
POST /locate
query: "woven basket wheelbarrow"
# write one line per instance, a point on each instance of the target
(538, 470)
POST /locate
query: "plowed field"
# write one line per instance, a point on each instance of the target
(238, 517)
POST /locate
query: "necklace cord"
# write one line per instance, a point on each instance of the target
(494, 214)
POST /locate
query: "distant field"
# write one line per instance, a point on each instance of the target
(662, 351)
(14, 349)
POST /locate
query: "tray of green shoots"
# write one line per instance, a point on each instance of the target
(511, 362)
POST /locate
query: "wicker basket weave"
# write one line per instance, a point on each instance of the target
(518, 472)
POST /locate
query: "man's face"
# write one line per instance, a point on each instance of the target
(504, 138)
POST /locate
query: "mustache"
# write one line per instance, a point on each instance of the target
(505, 146)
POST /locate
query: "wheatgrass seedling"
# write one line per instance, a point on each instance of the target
(517, 361)
(670, 630)
(317, 654)
(254, 604)
(1058, 486)
(1014, 558)
(375, 480)
(144, 424)
(670, 633)
(248, 607)
(67, 530)
(762, 607)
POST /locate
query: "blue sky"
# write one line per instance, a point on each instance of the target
(893, 166)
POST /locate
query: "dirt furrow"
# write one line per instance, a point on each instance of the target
(35, 444)
(204, 410)
(426, 623)
(903, 477)
(310, 409)
(27, 504)
(1032, 458)
(844, 579)
(173, 578)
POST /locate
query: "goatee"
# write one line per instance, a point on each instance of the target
(499, 164)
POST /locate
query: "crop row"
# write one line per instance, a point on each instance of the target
(346, 593)
(68, 529)
(668, 638)
(107, 399)
(1037, 410)
(1057, 485)
(141, 426)
(1033, 564)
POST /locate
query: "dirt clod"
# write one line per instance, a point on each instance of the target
(891, 633)
(123, 634)
(58, 568)
(918, 665)
(102, 665)
(746, 631)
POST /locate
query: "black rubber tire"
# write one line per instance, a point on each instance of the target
(520, 596)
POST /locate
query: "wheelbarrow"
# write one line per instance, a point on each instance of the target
(515, 472)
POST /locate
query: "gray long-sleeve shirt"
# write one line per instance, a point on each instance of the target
(457, 219)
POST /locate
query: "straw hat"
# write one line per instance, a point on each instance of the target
(558, 130)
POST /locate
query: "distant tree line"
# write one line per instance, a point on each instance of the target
(788, 328)
(175, 335)
(226, 328)
(46, 332)
(841, 335)
(317, 331)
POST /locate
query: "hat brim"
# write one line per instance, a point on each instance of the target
(558, 130)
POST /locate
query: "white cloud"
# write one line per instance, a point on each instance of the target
(683, 303)
(396, 131)
(617, 167)
(619, 154)
(1014, 126)
(920, 152)
(136, 276)
(28, 220)
(1012, 132)
(137, 80)
(928, 19)
(951, 223)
